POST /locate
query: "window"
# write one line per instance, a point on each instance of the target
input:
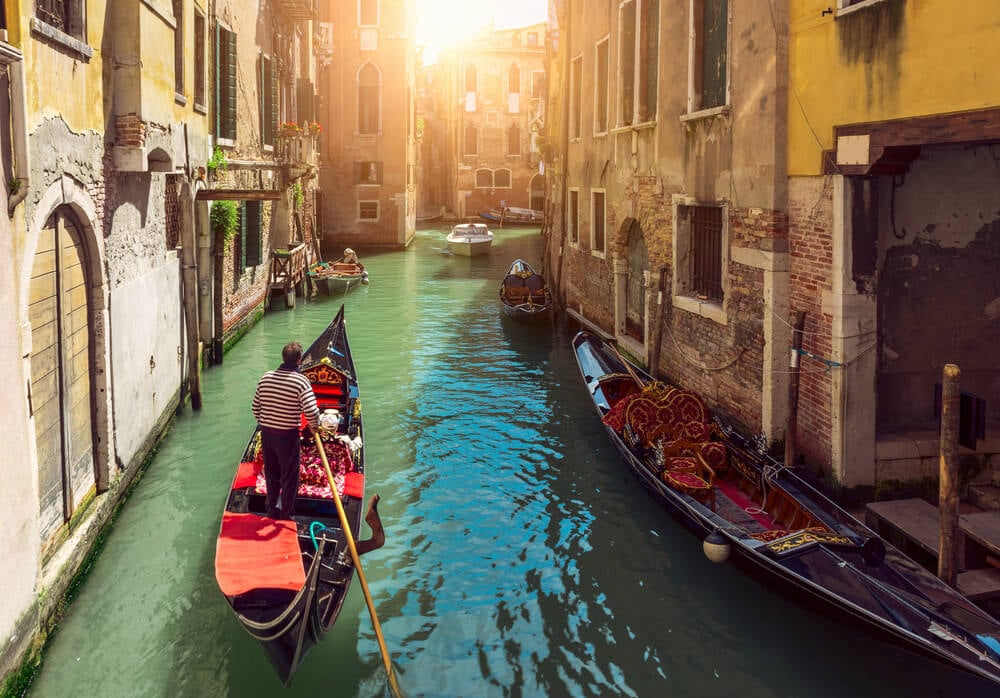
(513, 80)
(576, 103)
(225, 84)
(635, 285)
(368, 210)
(601, 88)
(470, 88)
(638, 41)
(532, 38)
(537, 84)
(514, 140)
(68, 16)
(369, 107)
(251, 217)
(199, 59)
(367, 172)
(368, 13)
(700, 247)
(573, 216)
(709, 54)
(484, 178)
(597, 221)
(501, 179)
(179, 47)
(268, 100)
(471, 140)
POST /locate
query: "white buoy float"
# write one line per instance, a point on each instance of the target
(716, 547)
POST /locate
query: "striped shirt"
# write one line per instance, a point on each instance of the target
(282, 396)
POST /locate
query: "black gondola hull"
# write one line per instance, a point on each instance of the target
(889, 594)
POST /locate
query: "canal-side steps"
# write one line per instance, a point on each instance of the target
(913, 525)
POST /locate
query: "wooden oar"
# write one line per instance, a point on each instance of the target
(628, 366)
(345, 524)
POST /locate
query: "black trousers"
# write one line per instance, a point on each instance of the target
(281, 469)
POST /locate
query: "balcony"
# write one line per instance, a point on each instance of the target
(299, 9)
(298, 152)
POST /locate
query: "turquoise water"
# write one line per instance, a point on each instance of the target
(522, 558)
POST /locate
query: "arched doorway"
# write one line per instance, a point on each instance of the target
(536, 193)
(61, 397)
(638, 263)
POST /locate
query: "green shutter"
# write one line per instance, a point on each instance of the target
(218, 79)
(273, 78)
(254, 238)
(231, 86)
(243, 236)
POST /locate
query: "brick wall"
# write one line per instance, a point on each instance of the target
(810, 239)
(130, 131)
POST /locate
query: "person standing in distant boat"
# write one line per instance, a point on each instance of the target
(282, 396)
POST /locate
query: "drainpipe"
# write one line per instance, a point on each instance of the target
(19, 131)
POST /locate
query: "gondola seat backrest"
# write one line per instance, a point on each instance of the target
(514, 289)
(329, 384)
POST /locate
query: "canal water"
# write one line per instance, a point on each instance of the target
(522, 558)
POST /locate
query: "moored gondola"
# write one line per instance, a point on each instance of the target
(750, 507)
(286, 580)
(524, 295)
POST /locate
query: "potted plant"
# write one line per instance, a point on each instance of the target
(315, 129)
(288, 129)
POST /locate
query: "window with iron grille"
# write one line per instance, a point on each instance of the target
(573, 216)
(68, 16)
(706, 252)
(368, 210)
(597, 221)
(199, 59)
(225, 83)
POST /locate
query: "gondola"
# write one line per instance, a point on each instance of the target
(334, 278)
(524, 295)
(286, 580)
(749, 507)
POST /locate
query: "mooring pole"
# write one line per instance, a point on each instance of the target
(793, 389)
(948, 495)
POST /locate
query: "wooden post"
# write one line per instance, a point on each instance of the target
(793, 389)
(189, 276)
(949, 543)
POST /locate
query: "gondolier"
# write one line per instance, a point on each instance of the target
(281, 397)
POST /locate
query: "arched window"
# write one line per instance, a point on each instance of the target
(638, 262)
(537, 192)
(484, 178)
(513, 79)
(514, 140)
(501, 179)
(369, 107)
(471, 140)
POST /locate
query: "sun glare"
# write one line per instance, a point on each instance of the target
(441, 23)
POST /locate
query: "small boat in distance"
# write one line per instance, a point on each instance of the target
(470, 239)
(286, 579)
(333, 278)
(745, 504)
(524, 295)
(512, 216)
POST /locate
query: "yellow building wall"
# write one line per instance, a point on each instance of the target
(891, 60)
(59, 84)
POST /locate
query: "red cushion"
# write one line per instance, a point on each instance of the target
(354, 484)
(246, 474)
(684, 480)
(255, 552)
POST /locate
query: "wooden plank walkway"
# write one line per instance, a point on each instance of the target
(918, 521)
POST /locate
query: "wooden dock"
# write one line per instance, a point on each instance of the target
(914, 525)
(288, 272)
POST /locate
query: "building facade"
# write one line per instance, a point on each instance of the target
(368, 155)
(668, 192)
(483, 102)
(894, 226)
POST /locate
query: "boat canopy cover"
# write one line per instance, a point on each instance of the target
(255, 552)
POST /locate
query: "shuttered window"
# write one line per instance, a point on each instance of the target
(369, 115)
(199, 59)
(710, 25)
(268, 100)
(254, 239)
(68, 16)
(225, 83)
